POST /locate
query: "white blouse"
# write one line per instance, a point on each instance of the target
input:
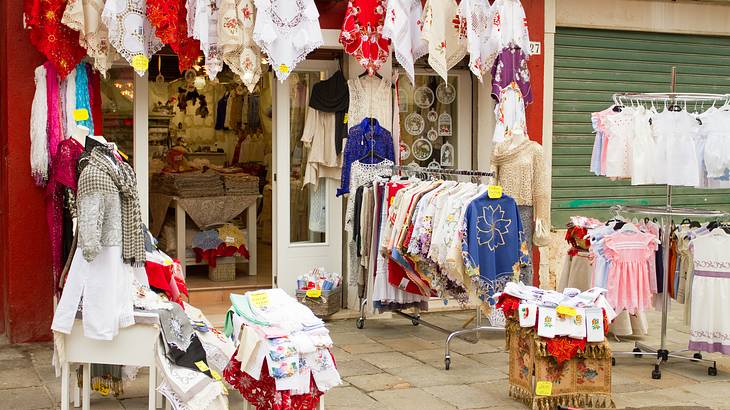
(286, 31)
(370, 97)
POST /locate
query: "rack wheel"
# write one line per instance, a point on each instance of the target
(637, 350)
(360, 323)
(613, 361)
(415, 321)
(656, 374)
(712, 371)
(697, 356)
(447, 363)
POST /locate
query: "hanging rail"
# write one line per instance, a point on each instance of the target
(416, 317)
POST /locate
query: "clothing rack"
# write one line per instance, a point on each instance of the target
(662, 354)
(416, 317)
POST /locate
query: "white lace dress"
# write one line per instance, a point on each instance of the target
(286, 31)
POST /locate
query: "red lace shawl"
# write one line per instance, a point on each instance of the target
(362, 33)
(169, 18)
(59, 43)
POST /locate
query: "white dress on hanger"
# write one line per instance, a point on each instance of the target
(620, 132)
(675, 133)
(643, 148)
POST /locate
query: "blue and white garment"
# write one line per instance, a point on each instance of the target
(83, 100)
(493, 243)
(361, 139)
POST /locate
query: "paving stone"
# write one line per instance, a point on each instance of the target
(366, 348)
(467, 396)
(498, 360)
(341, 355)
(348, 397)
(389, 360)
(18, 377)
(676, 396)
(409, 344)
(427, 376)
(25, 398)
(356, 368)
(435, 358)
(380, 381)
(10, 352)
(482, 346)
(409, 399)
(351, 338)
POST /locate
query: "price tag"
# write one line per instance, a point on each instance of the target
(202, 366)
(230, 239)
(215, 375)
(544, 388)
(566, 311)
(284, 68)
(346, 118)
(259, 299)
(82, 114)
(535, 48)
(314, 293)
(494, 191)
(140, 62)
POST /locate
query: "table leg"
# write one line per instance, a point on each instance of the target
(252, 227)
(158, 395)
(86, 387)
(76, 392)
(65, 370)
(152, 393)
(180, 232)
(321, 403)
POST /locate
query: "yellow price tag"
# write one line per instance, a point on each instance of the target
(259, 299)
(82, 114)
(314, 293)
(566, 311)
(140, 62)
(284, 68)
(202, 366)
(215, 375)
(544, 388)
(347, 116)
(494, 191)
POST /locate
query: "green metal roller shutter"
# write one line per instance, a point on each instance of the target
(591, 65)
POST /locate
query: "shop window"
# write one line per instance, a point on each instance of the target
(117, 104)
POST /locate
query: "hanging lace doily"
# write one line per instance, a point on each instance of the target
(446, 93)
(423, 97)
(422, 149)
(447, 155)
(130, 32)
(432, 135)
(415, 123)
(444, 124)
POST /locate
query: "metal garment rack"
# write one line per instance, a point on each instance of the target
(416, 317)
(672, 98)
(662, 354)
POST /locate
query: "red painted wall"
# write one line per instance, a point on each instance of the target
(26, 262)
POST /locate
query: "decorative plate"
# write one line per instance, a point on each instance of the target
(432, 135)
(446, 93)
(415, 123)
(422, 149)
(432, 115)
(405, 151)
(423, 97)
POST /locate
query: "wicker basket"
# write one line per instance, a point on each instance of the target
(328, 304)
(225, 270)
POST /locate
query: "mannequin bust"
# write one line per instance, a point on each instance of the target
(80, 133)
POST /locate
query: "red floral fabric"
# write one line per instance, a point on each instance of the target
(575, 236)
(59, 43)
(564, 348)
(509, 304)
(223, 250)
(362, 33)
(163, 277)
(262, 394)
(169, 18)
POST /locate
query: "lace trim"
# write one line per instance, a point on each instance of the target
(118, 26)
(175, 402)
(275, 64)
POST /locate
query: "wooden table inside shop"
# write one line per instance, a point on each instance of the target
(180, 222)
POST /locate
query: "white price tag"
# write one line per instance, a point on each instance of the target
(535, 48)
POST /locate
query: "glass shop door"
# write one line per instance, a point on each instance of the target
(307, 221)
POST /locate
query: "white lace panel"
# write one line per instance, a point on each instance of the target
(85, 16)
(207, 13)
(130, 32)
(286, 31)
(240, 52)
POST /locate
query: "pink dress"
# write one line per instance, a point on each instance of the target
(629, 275)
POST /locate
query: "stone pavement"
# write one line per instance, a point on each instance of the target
(393, 364)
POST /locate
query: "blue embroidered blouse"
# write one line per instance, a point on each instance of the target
(360, 139)
(493, 244)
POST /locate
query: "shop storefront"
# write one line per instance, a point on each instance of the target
(139, 117)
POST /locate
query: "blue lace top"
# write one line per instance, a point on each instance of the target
(360, 139)
(493, 243)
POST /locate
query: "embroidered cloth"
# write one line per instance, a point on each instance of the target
(240, 52)
(130, 32)
(445, 31)
(286, 31)
(50, 36)
(361, 34)
(84, 16)
(205, 29)
(403, 26)
(169, 18)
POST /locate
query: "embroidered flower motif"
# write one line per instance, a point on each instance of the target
(492, 227)
(595, 325)
(523, 248)
(247, 12)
